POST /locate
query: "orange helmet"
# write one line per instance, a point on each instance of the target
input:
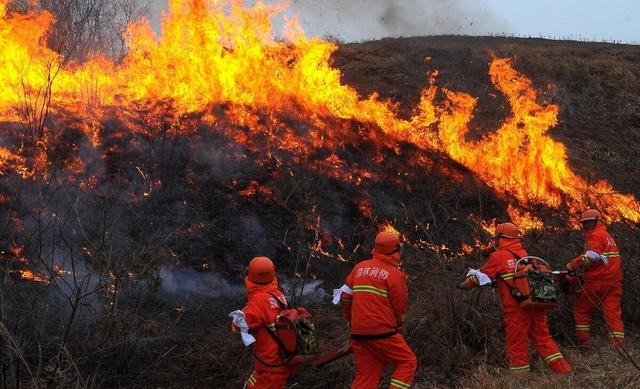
(507, 231)
(590, 214)
(386, 243)
(261, 270)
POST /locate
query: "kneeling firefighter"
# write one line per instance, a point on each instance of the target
(521, 325)
(265, 301)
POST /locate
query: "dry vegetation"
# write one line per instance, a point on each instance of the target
(115, 320)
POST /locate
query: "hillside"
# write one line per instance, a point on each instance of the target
(595, 85)
(459, 337)
(132, 203)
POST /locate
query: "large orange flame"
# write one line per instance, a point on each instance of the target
(220, 52)
(519, 160)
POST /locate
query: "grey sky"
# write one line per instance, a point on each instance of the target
(356, 20)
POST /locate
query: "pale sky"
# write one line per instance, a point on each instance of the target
(357, 20)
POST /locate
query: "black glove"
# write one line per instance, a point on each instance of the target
(461, 286)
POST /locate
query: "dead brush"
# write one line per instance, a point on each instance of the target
(599, 369)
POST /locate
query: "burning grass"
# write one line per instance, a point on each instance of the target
(153, 166)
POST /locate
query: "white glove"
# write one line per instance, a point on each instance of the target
(482, 278)
(338, 292)
(238, 319)
(594, 256)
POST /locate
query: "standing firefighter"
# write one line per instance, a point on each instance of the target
(521, 325)
(374, 301)
(254, 321)
(601, 270)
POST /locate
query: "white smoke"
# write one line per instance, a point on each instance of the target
(184, 283)
(309, 291)
(187, 281)
(358, 20)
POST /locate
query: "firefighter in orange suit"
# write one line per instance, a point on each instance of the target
(374, 301)
(601, 270)
(253, 321)
(521, 325)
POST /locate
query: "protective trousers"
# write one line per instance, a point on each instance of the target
(607, 296)
(524, 325)
(373, 355)
(264, 377)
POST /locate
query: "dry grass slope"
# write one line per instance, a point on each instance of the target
(86, 337)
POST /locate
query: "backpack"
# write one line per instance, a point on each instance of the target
(532, 284)
(293, 331)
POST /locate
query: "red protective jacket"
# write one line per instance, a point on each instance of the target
(596, 271)
(261, 311)
(522, 326)
(500, 267)
(602, 286)
(378, 302)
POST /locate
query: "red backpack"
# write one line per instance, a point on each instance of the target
(293, 331)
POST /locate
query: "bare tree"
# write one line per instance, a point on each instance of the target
(83, 28)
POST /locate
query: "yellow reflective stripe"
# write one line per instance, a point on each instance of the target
(399, 384)
(252, 380)
(271, 327)
(508, 276)
(519, 369)
(616, 334)
(586, 260)
(370, 289)
(583, 327)
(553, 357)
(345, 301)
(611, 254)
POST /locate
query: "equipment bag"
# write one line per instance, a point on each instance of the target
(294, 331)
(532, 284)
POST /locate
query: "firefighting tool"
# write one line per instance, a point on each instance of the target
(568, 281)
(531, 283)
(294, 332)
(328, 356)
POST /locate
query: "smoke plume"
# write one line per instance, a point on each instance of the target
(374, 19)
(360, 20)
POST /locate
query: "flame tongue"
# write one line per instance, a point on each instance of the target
(519, 160)
(219, 53)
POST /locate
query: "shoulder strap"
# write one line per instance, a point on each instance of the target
(528, 261)
(514, 254)
(515, 292)
(287, 355)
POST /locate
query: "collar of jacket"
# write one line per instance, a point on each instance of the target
(506, 244)
(393, 259)
(598, 227)
(252, 287)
